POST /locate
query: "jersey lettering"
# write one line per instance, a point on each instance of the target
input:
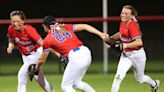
(61, 37)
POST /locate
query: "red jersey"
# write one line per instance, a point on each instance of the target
(25, 40)
(129, 33)
(63, 40)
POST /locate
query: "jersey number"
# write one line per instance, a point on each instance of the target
(61, 37)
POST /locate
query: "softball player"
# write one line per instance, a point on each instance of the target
(61, 38)
(133, 54)
(26, 38)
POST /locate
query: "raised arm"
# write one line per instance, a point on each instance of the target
(116, 36)
(91, 29)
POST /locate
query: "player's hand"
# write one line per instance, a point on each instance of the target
(105, 36)
(116, 45)
(107, 46)
(64, 61)
(9, 50)
(32, 71)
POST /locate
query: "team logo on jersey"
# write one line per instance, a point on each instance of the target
(16, 39)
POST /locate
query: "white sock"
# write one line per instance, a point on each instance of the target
(148, 80)
(116, 85)
(21, 87)
(48, 87)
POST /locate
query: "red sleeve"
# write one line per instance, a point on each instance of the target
(46, 45)
(9, 33)
(135, 31)
(31, 31)
(70, 27)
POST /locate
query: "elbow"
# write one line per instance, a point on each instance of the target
(40, 43)
(85, 27)
(140, 43)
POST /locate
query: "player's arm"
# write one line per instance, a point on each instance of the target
(63, 60)
(11, 46)
(42, 59)
(55, 52)
(88, 28)
(135, 43)
(116, 36)
(40, 43)
(45, 53)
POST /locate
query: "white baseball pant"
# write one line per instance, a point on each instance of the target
(79, 61)
(135, 59)
(22, 74)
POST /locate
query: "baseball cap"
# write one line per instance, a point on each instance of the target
(48, 20)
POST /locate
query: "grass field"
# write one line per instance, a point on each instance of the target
(101, 83)
(95, 77)
(12, 66)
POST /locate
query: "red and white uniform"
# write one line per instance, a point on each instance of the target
(129, 33)
(62, 42)
(67, 44)
(131, 57)
(25, 40)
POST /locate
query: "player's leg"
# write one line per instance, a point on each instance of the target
(139, 64)
(124, 65)
(69, 77)
(22, 74)
(40, 78)
(22, 78)
(85, 60)
(74, 69)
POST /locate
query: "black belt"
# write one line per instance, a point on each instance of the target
(30, 53)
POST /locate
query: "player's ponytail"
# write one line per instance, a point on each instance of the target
(134, 18)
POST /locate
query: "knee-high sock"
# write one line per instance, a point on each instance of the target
(116, 85)
(146, 79)
(44, 84)
(21, 87)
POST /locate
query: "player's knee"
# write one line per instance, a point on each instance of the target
(67, 88)
(139, 79)
(64, 86)
(79, 85)
(22, 78)
(22, 82)
(83, 86)
(119, 76)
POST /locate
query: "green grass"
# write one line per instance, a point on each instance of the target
(101, 83)
(94, 76)
(12, 66)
